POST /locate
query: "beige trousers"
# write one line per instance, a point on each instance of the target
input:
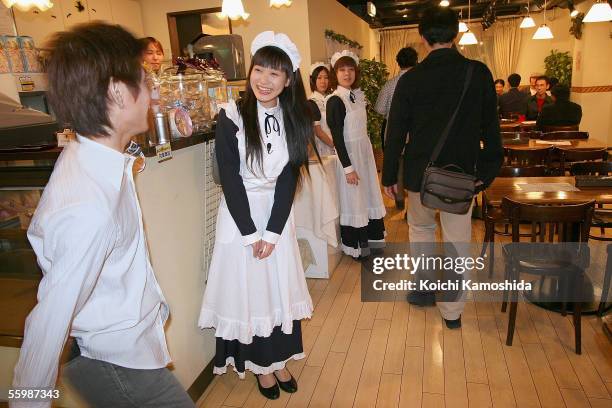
(455, 228)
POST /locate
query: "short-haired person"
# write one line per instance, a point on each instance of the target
(87, 232)
(152, 53)
(424, 101)
(512, 101)
(362, 210)
(562, 112)
(407, 59)
(320, 85)
(534, 104)
(532, 83)
(499, 86)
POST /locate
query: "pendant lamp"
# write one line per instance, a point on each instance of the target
(444, 3)
(543, 32)
(468, 37)
(527, 20)
(280, 3)
(234, 10)
(26, 5)
(599, 13)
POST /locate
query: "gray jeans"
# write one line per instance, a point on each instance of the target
(107, 385)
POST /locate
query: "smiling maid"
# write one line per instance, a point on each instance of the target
(256, 292)
(361, 205)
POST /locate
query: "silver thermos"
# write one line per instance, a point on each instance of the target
(159, 134)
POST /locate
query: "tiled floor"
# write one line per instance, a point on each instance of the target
(392, 354)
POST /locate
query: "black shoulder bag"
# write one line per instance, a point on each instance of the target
(448, 188)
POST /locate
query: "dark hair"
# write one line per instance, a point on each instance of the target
(542, 78)
(296, 116)
(343, 62)
(81, 64)
(150, 40)
(407, 57)
(439, 25)
(552, 81)
(500, 81)
(514, 80)
(315, 75)
(560, 92)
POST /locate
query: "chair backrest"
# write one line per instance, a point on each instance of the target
(529, 157)
(559, 128)
(545, 219)
(591, 169)
(564, 135)
(580, 155)
(531, 171)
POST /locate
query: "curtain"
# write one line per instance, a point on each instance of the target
(499, 49)
(392, 41)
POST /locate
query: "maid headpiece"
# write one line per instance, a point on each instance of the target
(344, 53)
(317, 65)
(280, 40)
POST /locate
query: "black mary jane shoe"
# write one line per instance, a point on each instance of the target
(271, 392)
(289, 386)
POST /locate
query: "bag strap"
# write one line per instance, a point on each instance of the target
(440, 145)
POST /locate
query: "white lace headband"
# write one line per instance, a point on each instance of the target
(344, 53)
(280, 40)
(317, 65)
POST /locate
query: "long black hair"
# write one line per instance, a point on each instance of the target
(296, 117)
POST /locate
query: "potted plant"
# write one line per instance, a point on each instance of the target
(559, 65)
(373, 76)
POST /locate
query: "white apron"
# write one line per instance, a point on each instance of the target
(245, 296)
(363, 202)
(324, 150)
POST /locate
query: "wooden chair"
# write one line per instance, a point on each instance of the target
(533, 156)
(494, 215)
(564, 135)
(568, 156)
(566, 262)
(602, 218)
(547, 129)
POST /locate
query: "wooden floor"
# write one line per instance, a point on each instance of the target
(393, 354)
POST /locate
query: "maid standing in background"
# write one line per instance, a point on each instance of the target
(319, 85)
(361, 205)
(256, 292)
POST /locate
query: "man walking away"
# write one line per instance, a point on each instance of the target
(424, 101)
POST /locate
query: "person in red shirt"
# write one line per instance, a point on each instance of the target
(535, 103)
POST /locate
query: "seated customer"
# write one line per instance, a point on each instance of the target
(513, 100)
(535, 103)
(562, 112)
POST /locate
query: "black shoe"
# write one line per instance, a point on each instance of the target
(377, 251)
(421, 298)
(270, 393)
(289, 386)
(453, 324)
(399, 204)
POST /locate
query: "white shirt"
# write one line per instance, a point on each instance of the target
(98, 282)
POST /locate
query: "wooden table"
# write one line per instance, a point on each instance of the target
(515, 126)
(578, 144)
(509, 187)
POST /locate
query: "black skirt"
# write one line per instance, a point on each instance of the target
(264, 355)
(361, 239)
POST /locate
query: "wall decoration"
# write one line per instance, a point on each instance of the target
(576, 28)
(342, 39)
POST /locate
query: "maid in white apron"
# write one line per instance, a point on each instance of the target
(256, 292)
(319, 85)
(361, 205)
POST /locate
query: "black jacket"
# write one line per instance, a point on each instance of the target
(530, 110)
(424, 100)
(560, 113)
(512, 101)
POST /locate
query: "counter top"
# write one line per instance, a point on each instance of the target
(183, 142)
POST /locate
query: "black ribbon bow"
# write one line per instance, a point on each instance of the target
(270, 124)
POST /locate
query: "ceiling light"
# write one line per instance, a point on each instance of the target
(543, 33)
(234, 10)
(462, 27)
(444, 3)
(527, 22)
(371, 9)
(26, 5)
(599, 12)
(468, 38)
(280, 3)
(405, 15)
(574, 13)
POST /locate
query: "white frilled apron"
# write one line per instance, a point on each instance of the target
(244, 296)
(324, 150)
(362, 202)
